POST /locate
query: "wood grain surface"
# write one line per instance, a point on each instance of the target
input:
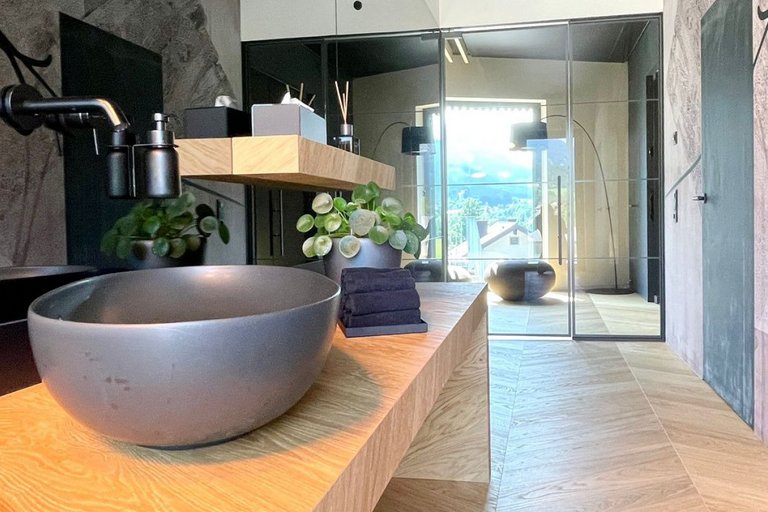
(287, 159)
(205, 157)
(454, 444)
(423, 495)
(335, 450)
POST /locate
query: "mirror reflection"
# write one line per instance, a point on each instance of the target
(532, 155)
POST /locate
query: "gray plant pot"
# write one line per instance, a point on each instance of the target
(142, 257)
(370, 255)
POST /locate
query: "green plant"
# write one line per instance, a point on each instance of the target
(366, 215)
(172, 224)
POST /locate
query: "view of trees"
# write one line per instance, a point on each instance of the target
(463, 207)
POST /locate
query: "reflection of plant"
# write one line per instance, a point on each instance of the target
(171, 224)
(383, 221)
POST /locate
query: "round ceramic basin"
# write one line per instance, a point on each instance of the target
(179, 357)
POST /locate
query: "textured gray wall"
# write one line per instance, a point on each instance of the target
(760, 78)
(682, 115)
(32, 229)
(683, 250)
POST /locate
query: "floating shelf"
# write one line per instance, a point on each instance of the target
(284, 160)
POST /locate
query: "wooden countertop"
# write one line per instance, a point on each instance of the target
(335, 450)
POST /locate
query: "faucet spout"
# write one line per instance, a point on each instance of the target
(101, 107)
(24, 108)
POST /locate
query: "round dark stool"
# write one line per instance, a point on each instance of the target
(515, 280)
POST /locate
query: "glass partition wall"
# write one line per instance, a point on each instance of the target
(531, 153)
(615, 77)
(508, 173)
(552, 159)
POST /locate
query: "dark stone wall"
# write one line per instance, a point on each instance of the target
(32, 226)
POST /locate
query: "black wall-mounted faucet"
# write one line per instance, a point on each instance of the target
(23, 108)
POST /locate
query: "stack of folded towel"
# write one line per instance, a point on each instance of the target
(378, 296)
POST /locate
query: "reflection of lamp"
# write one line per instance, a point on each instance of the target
(537, 130)
(458, 42)
(413, 138)
(523, 132)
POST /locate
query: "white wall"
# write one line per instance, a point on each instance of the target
(278, 19)
(464, 13)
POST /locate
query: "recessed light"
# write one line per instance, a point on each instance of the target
(463, 53)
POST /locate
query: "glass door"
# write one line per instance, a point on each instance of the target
(615, 98)
(508, 174)
(552, 175)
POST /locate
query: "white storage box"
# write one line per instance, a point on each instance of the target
(287, 119)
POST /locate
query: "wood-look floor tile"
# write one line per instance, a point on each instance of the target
(628, 314)
(583, 437)
(595, 314)
(419, 495)
(722, 455)
(595, 477)
(623, 427)
(574, 447)
(672, 495)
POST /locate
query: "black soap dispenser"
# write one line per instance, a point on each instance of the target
(161, 161)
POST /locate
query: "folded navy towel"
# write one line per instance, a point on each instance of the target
(378, 302)
(362, 280)
(369, 271)
(407, 317)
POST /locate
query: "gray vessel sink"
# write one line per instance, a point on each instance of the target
(180, 357)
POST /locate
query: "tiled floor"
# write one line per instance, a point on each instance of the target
(595, 314)
(615, 426)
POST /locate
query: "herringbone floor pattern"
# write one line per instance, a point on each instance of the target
(615, 427)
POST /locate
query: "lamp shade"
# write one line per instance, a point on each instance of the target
(523, 132)
(413, 138)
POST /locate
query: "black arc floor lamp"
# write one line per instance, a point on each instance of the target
(537, 130)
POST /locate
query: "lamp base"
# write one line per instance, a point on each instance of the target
(610, 291)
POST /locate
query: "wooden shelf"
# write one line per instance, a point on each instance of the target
(284, 160)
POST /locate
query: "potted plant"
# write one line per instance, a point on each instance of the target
(353, 230)
(168, 232)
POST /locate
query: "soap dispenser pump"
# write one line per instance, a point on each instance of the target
(161, 161)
